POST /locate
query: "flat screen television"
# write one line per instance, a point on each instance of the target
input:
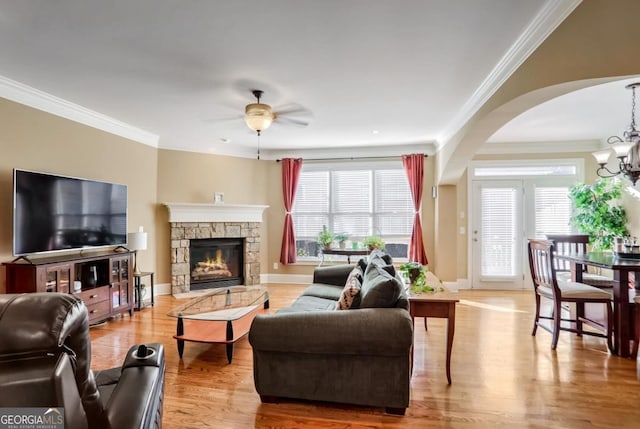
(56, 213)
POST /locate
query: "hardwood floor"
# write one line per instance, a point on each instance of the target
(502, 376)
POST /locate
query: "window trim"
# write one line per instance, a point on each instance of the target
(352, 165)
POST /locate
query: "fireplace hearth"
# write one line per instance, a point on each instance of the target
(216, 262)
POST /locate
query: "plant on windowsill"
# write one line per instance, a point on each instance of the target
(598, 213)
(325, 238)
(372, 242)
(417, 275)
(341, 238)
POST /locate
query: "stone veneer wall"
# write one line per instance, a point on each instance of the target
(183, 232)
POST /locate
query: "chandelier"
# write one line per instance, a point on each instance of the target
(625, 148)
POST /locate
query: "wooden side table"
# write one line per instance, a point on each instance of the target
(440, 305)
(137, 279)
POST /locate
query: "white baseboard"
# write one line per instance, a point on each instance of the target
(464, 284)
(457, 285)
(162, 289)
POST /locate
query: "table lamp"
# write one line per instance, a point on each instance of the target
(137, 241)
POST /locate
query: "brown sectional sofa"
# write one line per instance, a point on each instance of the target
(359, 356)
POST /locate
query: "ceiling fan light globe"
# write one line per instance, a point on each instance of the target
(258, 116)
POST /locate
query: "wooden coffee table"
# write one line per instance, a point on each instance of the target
(221, 316)
(440, 305)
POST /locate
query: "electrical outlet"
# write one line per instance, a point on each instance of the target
(275, 265)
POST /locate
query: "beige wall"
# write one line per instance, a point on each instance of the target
(34, 140)
(189, 177)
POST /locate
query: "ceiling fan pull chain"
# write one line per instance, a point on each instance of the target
(258, 145)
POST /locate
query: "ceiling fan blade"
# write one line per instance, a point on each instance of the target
(292, 121)
(223, 119)
(293, 109)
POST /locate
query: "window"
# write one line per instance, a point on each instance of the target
(553, 210)
(358, 199)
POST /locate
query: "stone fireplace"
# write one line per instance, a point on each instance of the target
(232, 225)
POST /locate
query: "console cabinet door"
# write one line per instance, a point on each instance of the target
(120, 293)
(57, 278)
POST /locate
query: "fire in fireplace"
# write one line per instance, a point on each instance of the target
(216, 262)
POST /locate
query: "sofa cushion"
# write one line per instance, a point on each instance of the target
(380, 288)
(350, 291)
(323, 291)
(309, 303)
(378, 254)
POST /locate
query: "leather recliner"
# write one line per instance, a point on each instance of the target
(45, 358)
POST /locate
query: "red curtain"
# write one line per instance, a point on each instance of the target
(414, 167)
(290, 174)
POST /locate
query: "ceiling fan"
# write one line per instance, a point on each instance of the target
(259, 116)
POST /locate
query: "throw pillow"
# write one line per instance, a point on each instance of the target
(357, 272)
(381, 254)
(380, 288)
(362, 263)
(380, 263)
(349, 293)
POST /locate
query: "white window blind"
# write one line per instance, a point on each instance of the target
(394, 206)
(499, 217)
(311, 204)
(357, 199)
(553, 211)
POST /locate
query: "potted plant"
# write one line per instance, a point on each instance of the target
(417, 275)
(325, 237)
(372, 242)
(341, 238)
(598, 213)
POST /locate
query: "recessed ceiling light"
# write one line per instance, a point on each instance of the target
(223, 140)
(375, 132)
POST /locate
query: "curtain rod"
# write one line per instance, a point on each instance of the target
(353, 158)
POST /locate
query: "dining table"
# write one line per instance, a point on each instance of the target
(624, 290)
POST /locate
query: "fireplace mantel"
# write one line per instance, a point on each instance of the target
(194, 212)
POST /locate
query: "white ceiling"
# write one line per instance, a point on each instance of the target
(593, 113)
(182, 69)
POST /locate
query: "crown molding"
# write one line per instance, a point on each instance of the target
(428, 148)
(572, 146)
(24, 94)
(547, 20)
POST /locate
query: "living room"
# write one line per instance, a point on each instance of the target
(586, 49)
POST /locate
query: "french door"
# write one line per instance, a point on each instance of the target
(505, 214)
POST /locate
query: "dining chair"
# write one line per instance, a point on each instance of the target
(575, 243)
(546, 285)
